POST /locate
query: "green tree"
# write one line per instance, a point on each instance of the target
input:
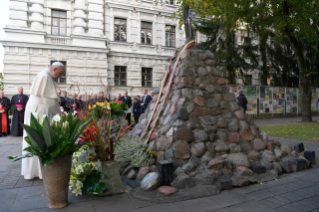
(295, 20)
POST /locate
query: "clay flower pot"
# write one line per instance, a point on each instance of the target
(56, 177)
(112, 177)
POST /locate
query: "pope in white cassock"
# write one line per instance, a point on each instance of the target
(44, 100)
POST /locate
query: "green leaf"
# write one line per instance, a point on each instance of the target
(32, 150)
(54, 150)
(47, 133)
(92, 183)
(36, 139)
(35, 124)
(78, 129)
(16, 158)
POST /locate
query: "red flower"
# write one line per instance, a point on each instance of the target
(118, 102)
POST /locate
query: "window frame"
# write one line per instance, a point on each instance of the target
(58, 80)
(146, 77)
(120, 31)
(146, 33)
(120, 75)
(59, 18)
(170, 32)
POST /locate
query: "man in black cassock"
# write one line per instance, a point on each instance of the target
(4, 109)
(18, 102)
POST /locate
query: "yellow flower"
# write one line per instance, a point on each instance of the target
(90, 107)
(100, 104)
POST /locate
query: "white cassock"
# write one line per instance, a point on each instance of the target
(44, 100)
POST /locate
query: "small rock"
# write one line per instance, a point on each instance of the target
(268, 156)
(229, 97)
(205, 178)
(239, 159)
(200, 136)
(211, 103)
(169, 154)
(194, 160)
(142, 173)
(254, 155)
(240, 115)
(270, 146)
(277, 167)
(216, 163)
(258, 144)
(246, 136)
(263, 135)
(208, 156)
(210, 88)
(188, 167)
(199, 101)
(267, 164)
(243, 126)
(198, 149)
(221, 81)
(293, 153)
(221, 123)
(243, 182)
(278, 153)
(216, 173)
(208, 120)
(286, 164)
(178, 171)
(223, 134)
(181, 150)
(210, 147)
(184, 134)
(183, 181)
(132, 174)
(234, 148)
(286, 148)
(167, 190)
(151, 181)
(181, 114)
(234, 137)
(245, 146)
(244, 171)
(178, 123)
(153, 168)
(202, 72)
(221, 146)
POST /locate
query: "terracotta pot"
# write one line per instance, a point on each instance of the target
(112, 177)
(56, 177)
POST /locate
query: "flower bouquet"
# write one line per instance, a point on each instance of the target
(54, 144)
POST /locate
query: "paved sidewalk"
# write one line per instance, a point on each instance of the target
(292, 192)
(281, 121)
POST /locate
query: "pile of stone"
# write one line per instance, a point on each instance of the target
(206, 135)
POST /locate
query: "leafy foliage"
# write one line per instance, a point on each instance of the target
(50, 141)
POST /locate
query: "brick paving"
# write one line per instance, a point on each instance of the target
(292, 192)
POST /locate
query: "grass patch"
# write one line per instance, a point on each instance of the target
(308, 132)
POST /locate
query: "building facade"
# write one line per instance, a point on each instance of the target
(122, 44)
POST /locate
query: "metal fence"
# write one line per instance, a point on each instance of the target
(271, 101)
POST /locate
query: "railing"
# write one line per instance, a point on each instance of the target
(59, 41)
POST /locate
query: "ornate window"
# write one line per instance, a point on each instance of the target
(58, 23)
(120, 75)
(146, 33)
(170, 36)
(147, 77)
(119, 29)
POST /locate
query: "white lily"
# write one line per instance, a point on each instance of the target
(62, 110)
(42, 119)
(77, 191)
(56, 118)
(79, 184)
(65, 124)
(74, 112)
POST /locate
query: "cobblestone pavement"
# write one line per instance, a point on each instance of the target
(292, 192)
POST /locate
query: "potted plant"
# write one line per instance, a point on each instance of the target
(99, 134)
(54, 145)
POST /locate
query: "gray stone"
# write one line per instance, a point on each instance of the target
(170, 132)
(243, 126)
(234, 148)
(190, 107)
(239, 159)
(210, 88)
(233, 125)
(286, 164)
(223, 134)
(169, 154)
(233, 106)
(167, 109)
(181, 101)
(157, 90)
(278, 152)
(188, 167)
(178, 123)
(293, 153)
(224, 105)
(268, 156)
(218, 88)
(182, 114)
(209, 54)
(178, 171)
(221, 146)
(185, 72)
(267, 164)
(188, 93)
(210, 147)
(212, 137)
(163, 130)
(194, 160)
(222, 123)
(227, 114)
(208, 120)
(202, 72)
(198, 92)
(183, 181)
(286, 148)
(210, 129)
(200, 136)
(197, 149)
(254, 155)
(215, 72)
(151, 181)
(142, 173)
(212, 103)
(277, 167)
(218, 97)
(205, 178)
(132, 174)
(168, 119)
(208, 156)
(245, 146)
(263, 136)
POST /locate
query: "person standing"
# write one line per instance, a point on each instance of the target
(146, 99)
(4, 109)
(94, 100)
(127, 99)
(62, 101)
(44, 101)
(74, 103)
(136, 109)
(101, 98)
(118, 97)
(18, 102)
(67, 107)
(242, 101)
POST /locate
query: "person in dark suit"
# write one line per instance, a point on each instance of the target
(67, 105)
(127, 99)
(136, 109)
(146, 99)
(242, 101)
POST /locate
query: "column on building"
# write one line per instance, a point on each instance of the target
(95, 17)
(79, 17)
(36, 17)
(18, 13)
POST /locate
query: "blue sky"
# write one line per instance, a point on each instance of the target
(4, 20)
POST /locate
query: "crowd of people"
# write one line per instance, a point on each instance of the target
(81, 102)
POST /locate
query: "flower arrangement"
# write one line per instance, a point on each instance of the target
(48, 141)
(85, 176)
(114, 109)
